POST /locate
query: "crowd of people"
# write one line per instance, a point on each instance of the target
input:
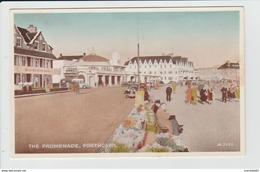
(205, 91)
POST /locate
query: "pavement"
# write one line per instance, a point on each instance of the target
(207, 127)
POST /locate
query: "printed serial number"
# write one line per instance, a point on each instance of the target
(225, 144)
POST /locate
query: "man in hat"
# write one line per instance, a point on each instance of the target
(176, 127)
(168, 93)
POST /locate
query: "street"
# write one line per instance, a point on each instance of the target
(68, 118)
(207, 128)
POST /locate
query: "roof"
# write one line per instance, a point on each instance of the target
(24, 33)
(33, 53)
(29, 37)
(228, 65)
(87, 58)
(94, 58)
(70, 57)
(152, 58)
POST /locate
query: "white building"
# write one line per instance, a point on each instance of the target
(208, 73)
(93, 69)
(162, 68)
(230, 71)
(33, 58)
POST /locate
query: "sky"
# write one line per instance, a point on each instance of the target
(205, 38)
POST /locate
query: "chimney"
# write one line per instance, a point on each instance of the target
(32, 29)
(60, 55)
(84, 54)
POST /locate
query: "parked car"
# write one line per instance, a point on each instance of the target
(84, 85)
(130, 91)
(81, 83)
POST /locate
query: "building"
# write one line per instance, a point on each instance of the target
(208, 73)
(164, 68)
(230, 71)
(33, 58)
(95, 70)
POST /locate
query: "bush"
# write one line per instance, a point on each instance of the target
(58, 89)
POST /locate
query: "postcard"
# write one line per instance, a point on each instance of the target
(128, 82)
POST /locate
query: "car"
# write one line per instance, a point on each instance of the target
(84, 85)
(81, 83)
(130, 91)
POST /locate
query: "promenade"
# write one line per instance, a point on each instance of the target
(207, 127)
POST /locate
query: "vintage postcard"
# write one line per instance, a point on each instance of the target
(128, 82)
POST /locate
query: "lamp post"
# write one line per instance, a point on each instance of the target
(138, 67)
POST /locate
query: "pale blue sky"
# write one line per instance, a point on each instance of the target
(206, 38)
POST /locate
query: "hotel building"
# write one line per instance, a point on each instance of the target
(33, 58)
(164, 68)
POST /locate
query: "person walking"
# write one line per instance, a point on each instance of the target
(203, 95)
(210, 94)
(174, 87)
(77, 88)
(168, 93)
(189, 94)
(195, 93)
(73, 88)
(224, 94)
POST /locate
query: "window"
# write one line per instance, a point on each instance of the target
(170, 72)
(23, 61)
(170, 78)
(16, 78)
(23, 78)
(29, 61)
(170, 65)
(18, 42)
(48, 64)
(150, 66)
(35, 45)
(154, 72)
(37, 64)
(16, 60)
(43, 62)
(43, 47)
(161, 66)
(150, 72)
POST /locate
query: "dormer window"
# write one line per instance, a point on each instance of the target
(43, 47)
(35, 45)
(19, 42)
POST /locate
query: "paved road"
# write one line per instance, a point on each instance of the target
(67, 118)
(207, 128)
